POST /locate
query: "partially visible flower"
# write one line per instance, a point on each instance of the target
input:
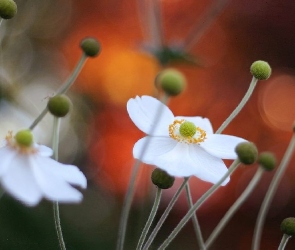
(28, 173)
(182, 146)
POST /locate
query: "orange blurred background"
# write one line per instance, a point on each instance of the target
(245, 31)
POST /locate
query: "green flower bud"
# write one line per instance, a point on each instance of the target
(247, 152)
(267, 160)
(260, 70)
(90, 46)
(171, 81)
(24, 138)
(288, 226)
(161, 179)
(8, 9)
(59, 105)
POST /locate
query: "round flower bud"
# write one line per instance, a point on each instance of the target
(24, 138)
(260, 70)
(90, 46)
(171, 81)
(161, 179)
(247, 152)
(59, 105)
(288, 226)
(8, 9)
(267, 160)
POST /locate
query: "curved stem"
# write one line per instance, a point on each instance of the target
(270, 193)
(68, 83)
(55, 141)
(239, 107)
(204, 23)
(194, 208)
(284, 242)
(164, 215)
(195, 219)
(129, 194)
(235, 207)
(150, 219)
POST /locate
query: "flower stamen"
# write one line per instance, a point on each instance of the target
(187, 132)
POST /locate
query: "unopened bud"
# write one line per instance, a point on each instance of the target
(161, 179)
(260, 70)
(90, 46)
(8, 9)
(288, 226)
(59, 105)
(267, 160)
(171, 81)
(247, 152)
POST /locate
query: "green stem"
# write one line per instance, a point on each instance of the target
(239, 107)
(284, 242)
(195, 219)
(270, 193)
(164, 215)
(130, 191)
(235, 207)
(55, 140)
(194, 208)
(150, 219)
(68, 83)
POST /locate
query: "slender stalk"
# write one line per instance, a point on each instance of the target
(235, 207)
(67, 84)
(204, 23)
(55, 140)
(270, 193)
(284, 242)
(194, 208)
(164, 215)
(239, 107)
(150, 219)
(130, 191)
(195, 219)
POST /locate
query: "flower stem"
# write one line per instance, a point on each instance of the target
(204, 23)
(195, 219)
(130, 191)
(64, 88)
(284, 242)
(55, 140)
(150, 219)
(235, 207)
(164, 215)
(239, 107)
(194, 208)
(270, 193)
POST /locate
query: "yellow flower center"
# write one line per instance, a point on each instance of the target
(185, 131)
(18, 143)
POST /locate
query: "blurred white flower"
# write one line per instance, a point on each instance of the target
(29, 174)
(182, 146)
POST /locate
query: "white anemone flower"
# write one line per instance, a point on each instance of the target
(28, 174)
(182, 146)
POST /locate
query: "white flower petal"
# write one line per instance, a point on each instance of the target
(43, 150)
(143, 111)
(68, 173)
(222, 146)
(6, 156)
(199, 121)
(20, 182)
(53, 186)
(207, 167)
(176, 162)
(156, 146)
